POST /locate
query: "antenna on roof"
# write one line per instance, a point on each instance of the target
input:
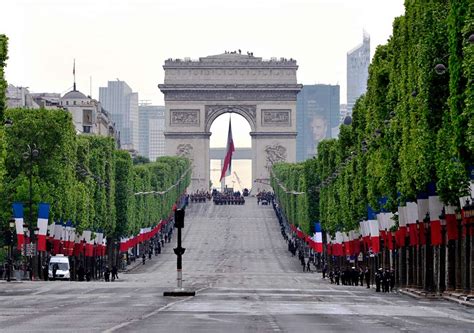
(74, 74)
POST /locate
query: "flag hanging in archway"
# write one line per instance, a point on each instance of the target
(226, 168)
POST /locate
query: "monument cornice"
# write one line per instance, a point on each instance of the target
(274, 134)
(175, 64)
(218, 87)
(180, 135)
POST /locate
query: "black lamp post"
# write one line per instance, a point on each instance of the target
(468, 216)
(429, 254)
(442, 253)
(9, 242)
(30, 155)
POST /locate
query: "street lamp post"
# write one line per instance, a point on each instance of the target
(11, 225)
(30, 155)
(468, 215)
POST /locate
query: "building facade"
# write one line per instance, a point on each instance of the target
(21, 97)
(358, 60)
(88, 115)
(317, 117)
(151, 120)
(122, 104)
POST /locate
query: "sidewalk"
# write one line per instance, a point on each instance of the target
(459, 298)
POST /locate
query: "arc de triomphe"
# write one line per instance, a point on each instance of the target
(262, 91)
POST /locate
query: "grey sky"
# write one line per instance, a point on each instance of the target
(130, 40)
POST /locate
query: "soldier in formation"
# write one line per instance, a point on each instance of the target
(229, 199)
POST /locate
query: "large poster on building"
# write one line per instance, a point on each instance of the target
(318, 117)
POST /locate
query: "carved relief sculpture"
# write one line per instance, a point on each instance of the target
(185, 150)
(184, 117)
(276, 118)
(274, 154)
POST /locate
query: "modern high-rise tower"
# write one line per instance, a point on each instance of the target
(151, 130)
(122, 104)
(358, 60)
(317, 117)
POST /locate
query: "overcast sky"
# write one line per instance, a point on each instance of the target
(130, 40)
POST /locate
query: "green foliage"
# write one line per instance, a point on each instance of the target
(3, 87)
(413, 126)
(85, 178)
(140, 160)
(3, 82)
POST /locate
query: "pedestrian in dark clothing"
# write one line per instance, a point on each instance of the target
(88, 275)
(55, 269)
(114, 273)
(80, 273)
(354, 276)
(107, 274)
(336, 276)
(45, 272)
(386, 281)
(325, 269)
(150, 253)
(331, 277)
(367, 277)
(392, 280)
(308, 268)
(361, 277)
(378, 280)
(143, 258)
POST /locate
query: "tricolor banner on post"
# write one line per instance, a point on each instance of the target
(318, 238)
(43, 217)
(374, 235)
(18, 216)
(436, 208)
(412, 217)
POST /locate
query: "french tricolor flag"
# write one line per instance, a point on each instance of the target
(435, 208)
(86, 235)
(318, 238)
(226, 168)
(43, 217)
(18, 215)
(374, 235)
(337, 247)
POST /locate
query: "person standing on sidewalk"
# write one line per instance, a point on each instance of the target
(114, 273)
(367, 277)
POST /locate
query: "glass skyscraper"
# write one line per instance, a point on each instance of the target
(358, 60)
(151, 131)
(122, 104)
(317, 117)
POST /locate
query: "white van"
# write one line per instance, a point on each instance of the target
(62, 268)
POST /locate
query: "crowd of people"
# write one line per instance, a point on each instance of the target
(200, 196)
(348, 276)
(265, 197)
(227, 198)
(384, 279)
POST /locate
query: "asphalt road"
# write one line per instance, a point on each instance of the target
(246, 281)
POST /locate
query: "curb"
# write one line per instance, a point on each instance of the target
(424, 295)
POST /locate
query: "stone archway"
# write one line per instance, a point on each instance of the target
(263, 92)
(247, 111)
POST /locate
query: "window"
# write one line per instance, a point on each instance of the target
(86, 129)
(87, 117)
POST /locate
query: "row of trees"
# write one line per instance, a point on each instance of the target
(412, 130)
(84, 178)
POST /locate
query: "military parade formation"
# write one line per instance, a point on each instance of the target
(228, 198)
